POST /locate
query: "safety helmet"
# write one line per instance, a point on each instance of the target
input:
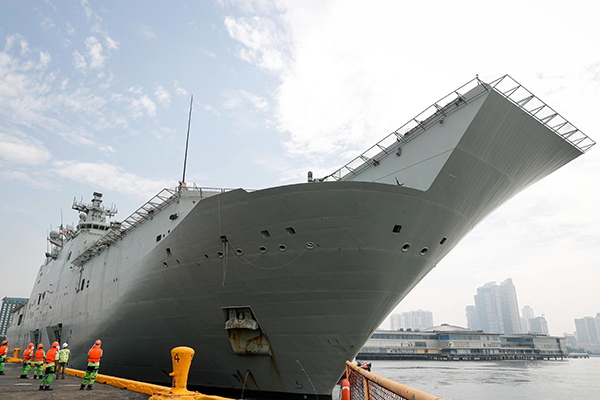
(54, 344)
(98, 342)
(31, 345)
(40, 346)
(65, 345)
(4, 342)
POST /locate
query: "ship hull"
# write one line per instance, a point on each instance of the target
(319, 265)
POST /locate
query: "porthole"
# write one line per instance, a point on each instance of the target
(443, 240)
(282, 247)
(239, 252)
(290, 230)
(220, 254)
(396, 228)
(406, 247)
(424, 251)
(262, 249)
(265, 233)
(310, 245)
(165, 265)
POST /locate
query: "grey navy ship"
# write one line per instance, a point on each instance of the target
(276, 288)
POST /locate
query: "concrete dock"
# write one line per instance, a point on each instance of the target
(14, 388)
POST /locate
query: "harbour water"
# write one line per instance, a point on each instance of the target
(514, 380)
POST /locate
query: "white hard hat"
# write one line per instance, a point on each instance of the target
(65, 345)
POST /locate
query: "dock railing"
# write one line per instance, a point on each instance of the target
(365, 385)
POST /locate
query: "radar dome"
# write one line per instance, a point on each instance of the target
(54, 235)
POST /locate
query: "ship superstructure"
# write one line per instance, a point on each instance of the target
(276, 288)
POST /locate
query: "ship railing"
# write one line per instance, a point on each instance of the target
(365, 385)
(505, 85)
(545, 114)
(147, 211)
(394, 141)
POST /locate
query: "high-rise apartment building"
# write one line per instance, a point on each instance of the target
(510, 307)
(472, 318)
(8, 303)
(419, 319)
(538, 325)
(588, 330)
(527, 314)
(496, 309)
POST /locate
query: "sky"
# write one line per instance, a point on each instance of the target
(95, 96)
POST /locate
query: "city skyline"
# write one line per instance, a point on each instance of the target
(501, 302)
(419, 319)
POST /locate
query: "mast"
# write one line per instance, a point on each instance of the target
(187, 140)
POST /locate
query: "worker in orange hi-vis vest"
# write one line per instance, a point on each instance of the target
(93, 366)
(27, 360)
(3, 355)
(51, 360)
(38, 366)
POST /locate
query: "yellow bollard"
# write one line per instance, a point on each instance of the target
(15, 357)
(182, 359)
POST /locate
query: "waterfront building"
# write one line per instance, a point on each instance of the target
(8, 303)
(447, 342)
(496, 309)
(419, 319)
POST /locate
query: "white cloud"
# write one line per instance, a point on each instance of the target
(147, 32)
(44, 59)
(51, 5)
(141, 105)
(111, 44)
(109, 177)
(79, 61)
(94, 52)
(14, 38)
(163, 96)
(179, 90)
(88, 11)
(70, 29)
(265, 44)
(135, 90)
(208, 53)
(211, 109)
(241, 98)
(21, 149)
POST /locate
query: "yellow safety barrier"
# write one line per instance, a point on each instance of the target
(121, 383)
(182, 359)
(368, 386)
